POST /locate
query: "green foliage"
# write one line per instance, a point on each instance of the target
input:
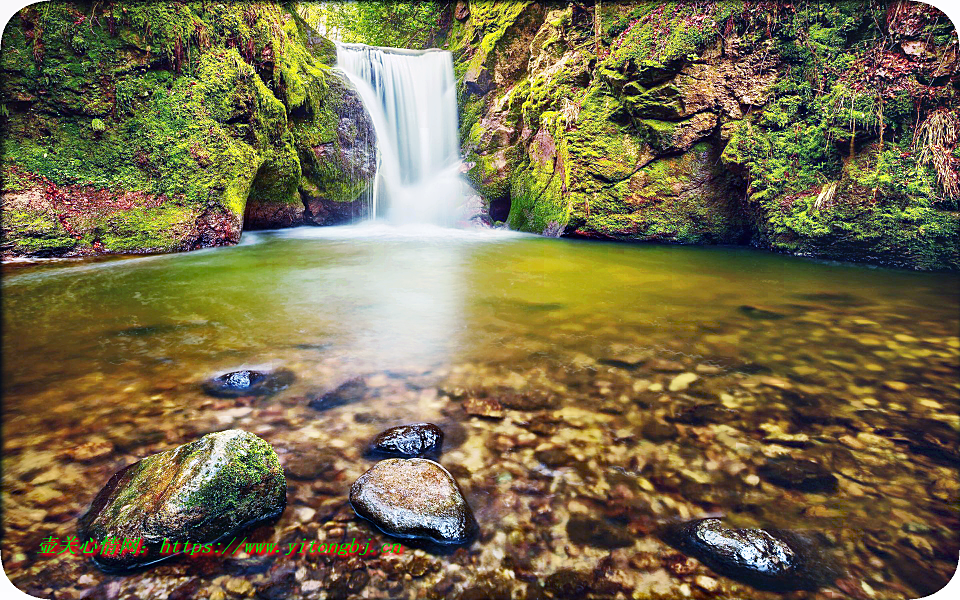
(393, 24)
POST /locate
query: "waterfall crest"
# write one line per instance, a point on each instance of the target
(412, 99)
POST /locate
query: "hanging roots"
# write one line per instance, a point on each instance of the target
(935, 140)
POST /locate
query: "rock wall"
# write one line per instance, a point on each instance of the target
(819, 129)
(157, 127)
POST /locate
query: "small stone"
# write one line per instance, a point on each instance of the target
(775, 382)
(897, 386)
(598, 533)
(554, 457)
(483, 407)
(658, 431)
(408, 441)
(701, 414)
(759, 314)
(803, 475)
(90, 451)
(199, 492)
(666, 366)
(414, 498)
(238, 585)
(353, 390)
(706, 583)
(682, 381)
(248, 383)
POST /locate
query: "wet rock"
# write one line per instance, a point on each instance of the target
(772, 559)
(414, 498)
(408, 441)
(701, 414)
(349, 392)
(199, 492)
(599, 533)
(794, 474)
(759, 314)
(248, 383)
(554, 457)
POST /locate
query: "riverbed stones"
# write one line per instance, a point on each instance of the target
(764, 559)
(798, 474)
(198, 492)
(245, 382)
(408, 441)
(414, 498)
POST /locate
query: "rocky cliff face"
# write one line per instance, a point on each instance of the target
(155, 127)
(823, 129)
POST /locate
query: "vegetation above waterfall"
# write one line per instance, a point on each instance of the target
(391, 24)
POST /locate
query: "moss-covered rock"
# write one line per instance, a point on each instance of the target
(821, 131)
(200, 493)
(153, 127)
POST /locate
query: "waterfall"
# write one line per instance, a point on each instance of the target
(411, 97)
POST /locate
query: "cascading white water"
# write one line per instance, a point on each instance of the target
(411, 97)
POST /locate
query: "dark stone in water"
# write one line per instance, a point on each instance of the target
(349, 392)
(248, 383)
(554, 457)
(200, 492)
(794, 474)
(760, 314)
(408, 441)
(773, 560)
(701, 414)
(598, 533)
(569, 583)
(658, 431)
(414, 498)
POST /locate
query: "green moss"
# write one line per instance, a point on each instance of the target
(193, 102)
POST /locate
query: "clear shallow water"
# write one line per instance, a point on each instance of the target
(584, 346)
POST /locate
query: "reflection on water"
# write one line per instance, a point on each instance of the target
(583, 388)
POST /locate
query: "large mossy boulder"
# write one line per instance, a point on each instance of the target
(830, 134)
(200, 492)
(159, 127)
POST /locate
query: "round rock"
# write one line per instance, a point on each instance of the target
(409, 441)
(199, 492)
(414, 498)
